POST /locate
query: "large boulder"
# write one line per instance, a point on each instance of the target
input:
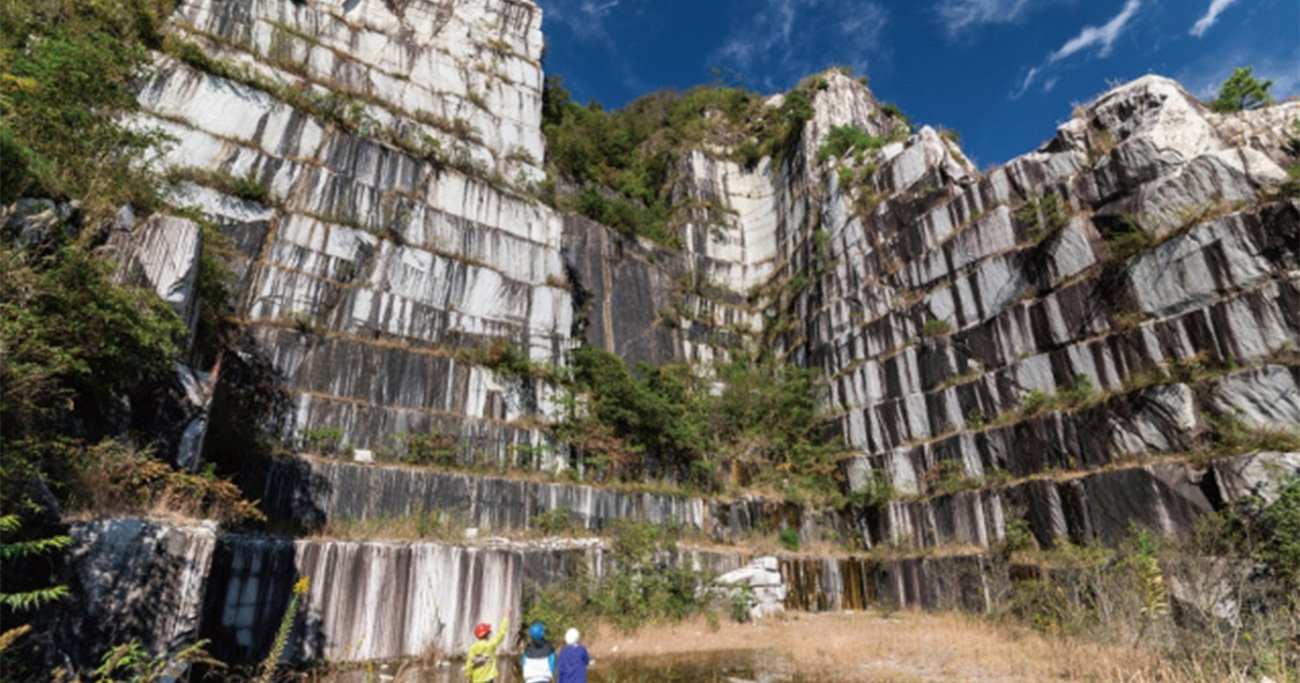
(762, 579)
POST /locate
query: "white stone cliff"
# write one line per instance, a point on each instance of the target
(397, 233)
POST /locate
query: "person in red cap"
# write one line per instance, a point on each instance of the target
(481, 660)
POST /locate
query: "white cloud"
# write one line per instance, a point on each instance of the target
(959, 15)
(790, 38)
(1211, 17)
(1102, 37)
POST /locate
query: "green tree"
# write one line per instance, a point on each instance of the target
(1242, 92)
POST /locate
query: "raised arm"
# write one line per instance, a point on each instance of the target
(500, 634)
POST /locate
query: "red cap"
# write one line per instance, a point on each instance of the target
(482, 630)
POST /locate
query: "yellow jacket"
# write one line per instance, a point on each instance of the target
(481, 660)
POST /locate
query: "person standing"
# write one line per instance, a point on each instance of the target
(481, 660)
(573, 660)
(539, 657)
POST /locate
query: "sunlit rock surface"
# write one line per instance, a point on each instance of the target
(984, 361)
(315, 492)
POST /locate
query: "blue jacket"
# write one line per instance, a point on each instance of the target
(572, 664)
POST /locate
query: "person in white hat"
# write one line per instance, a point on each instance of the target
(573, 660)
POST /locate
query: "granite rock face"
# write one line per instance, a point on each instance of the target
(384, 600)
(367, 601)
(367, 265)
(314, 492)
(135, 580)
(1052, 338)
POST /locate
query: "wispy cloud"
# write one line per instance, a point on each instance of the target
(1210, 17)
(789, 38)
(584, 19)
(1102, 38)
(958, 16)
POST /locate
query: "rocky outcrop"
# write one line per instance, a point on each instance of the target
(134, 580)
(367, 601)
(1059, 338)
(365, 263)
(314, 492)
(1019, 311)
(759, 586)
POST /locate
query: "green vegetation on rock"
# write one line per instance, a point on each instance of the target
(84, 358)
(618, 167)
(66, 70)
(640, 585)
(1242, 92)
(756, 414)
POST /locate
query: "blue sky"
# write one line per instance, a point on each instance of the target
(1002, 73)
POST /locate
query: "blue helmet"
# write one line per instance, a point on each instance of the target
(537, 631)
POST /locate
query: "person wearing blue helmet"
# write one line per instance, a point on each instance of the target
(539, 657)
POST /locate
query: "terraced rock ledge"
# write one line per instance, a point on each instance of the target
(1099, 336)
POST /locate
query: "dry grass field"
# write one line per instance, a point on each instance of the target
(903, 646)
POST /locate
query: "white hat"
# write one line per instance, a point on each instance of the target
(571, 636)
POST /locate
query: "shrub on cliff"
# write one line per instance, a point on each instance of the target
(644, 583)
(656, 412)
(843, 139)
(67, 70)
(1242, 92)
(668, 420)
(617, 167)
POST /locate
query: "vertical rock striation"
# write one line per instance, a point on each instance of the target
(135, 580)
(1050, 339)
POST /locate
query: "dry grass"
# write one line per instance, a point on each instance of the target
(903, 646)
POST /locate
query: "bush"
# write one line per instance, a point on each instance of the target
(324, 441)
(1078, 393)
(1035, 402)
(620, 163)
(434, 449)
(1044, 215)
(843, 139)
(1242, 91)
(643, 584)
(878, 490)
(116, 478)
(621, 160)
(743, 601)
(1280, 528)
(554, 522)
(894, 112)
(657, 412)
(74, 344)
(789, 538)
(936, 328)
(1128, 240)
(686, 425)
(950, 476)
(68, 73)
